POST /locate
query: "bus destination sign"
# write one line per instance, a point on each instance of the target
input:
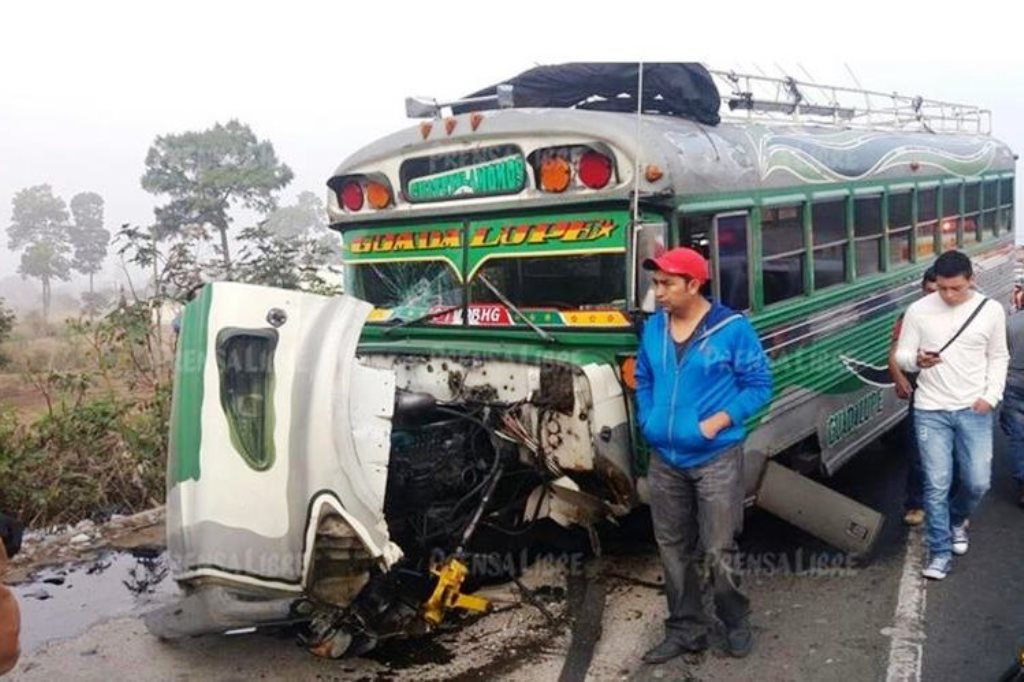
(499, 176)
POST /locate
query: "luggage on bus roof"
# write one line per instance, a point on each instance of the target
(683, 89)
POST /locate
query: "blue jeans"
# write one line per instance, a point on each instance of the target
(914, 497)
(1011, 418)
(697, 513)
(962, 438)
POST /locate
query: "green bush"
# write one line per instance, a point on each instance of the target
(101, 444)
(82, 457)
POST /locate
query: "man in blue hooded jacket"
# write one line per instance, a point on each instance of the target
(701, 372)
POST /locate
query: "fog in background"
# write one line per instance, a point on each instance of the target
(86, 87)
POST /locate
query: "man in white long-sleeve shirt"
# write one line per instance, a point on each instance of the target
(957, 340)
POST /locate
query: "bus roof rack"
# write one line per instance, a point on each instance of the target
(749, 97)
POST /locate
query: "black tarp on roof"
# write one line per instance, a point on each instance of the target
(683, 89)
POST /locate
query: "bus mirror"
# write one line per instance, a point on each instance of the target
(648, 242)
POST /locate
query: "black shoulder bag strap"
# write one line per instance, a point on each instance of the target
(965, 325)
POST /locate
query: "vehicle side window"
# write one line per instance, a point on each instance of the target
(989, 207)
(950, 216)
(733, 260)
(928, 222)
(1006, 205)
(972, 217)
(901, 229)
(695, 233)
(830, 243)
(867, 232)
(783, 251)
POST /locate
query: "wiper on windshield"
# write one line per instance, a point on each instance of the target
(512, 306)
(425, 316)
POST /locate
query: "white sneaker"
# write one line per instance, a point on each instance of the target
(937, 568)
(960, 539)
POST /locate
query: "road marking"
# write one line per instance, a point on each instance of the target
(907, 632)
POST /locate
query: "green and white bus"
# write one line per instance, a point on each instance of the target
(474, 380)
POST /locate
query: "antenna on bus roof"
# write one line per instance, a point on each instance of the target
(428, 107)
(639, 124)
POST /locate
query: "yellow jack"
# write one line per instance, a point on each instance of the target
(447, 594)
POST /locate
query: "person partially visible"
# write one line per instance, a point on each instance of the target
(10, 616)
(906, 382)
(1011, 416)
(958, 344)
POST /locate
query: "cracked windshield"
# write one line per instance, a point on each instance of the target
(547, 271)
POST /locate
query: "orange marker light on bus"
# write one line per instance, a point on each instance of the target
(475, 120)
(628, 371)
(653, 173)
(555, 174)
(378, 195)
(425, 129)
(449, 124)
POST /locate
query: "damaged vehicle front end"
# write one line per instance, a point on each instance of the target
(362, 483)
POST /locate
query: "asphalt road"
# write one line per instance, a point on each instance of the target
(816, 615)
(975, 617)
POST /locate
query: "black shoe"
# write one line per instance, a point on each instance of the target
(670, 648)
(739, 641)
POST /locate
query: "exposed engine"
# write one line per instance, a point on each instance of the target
(456, 489)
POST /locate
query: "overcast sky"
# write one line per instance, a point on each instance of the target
(85, 87)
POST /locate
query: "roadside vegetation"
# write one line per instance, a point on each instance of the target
(85, 400)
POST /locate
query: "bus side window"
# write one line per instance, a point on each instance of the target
(783, 253)
(733, 260)
(695, 233)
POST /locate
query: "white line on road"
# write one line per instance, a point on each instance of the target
(907, 631)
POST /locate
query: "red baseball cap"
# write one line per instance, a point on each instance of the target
(680, 261)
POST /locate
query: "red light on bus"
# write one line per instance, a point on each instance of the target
(351, 196)
(595, 170)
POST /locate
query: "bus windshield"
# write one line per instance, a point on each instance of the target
(560, 282)
(410, 287)
(557, 270)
